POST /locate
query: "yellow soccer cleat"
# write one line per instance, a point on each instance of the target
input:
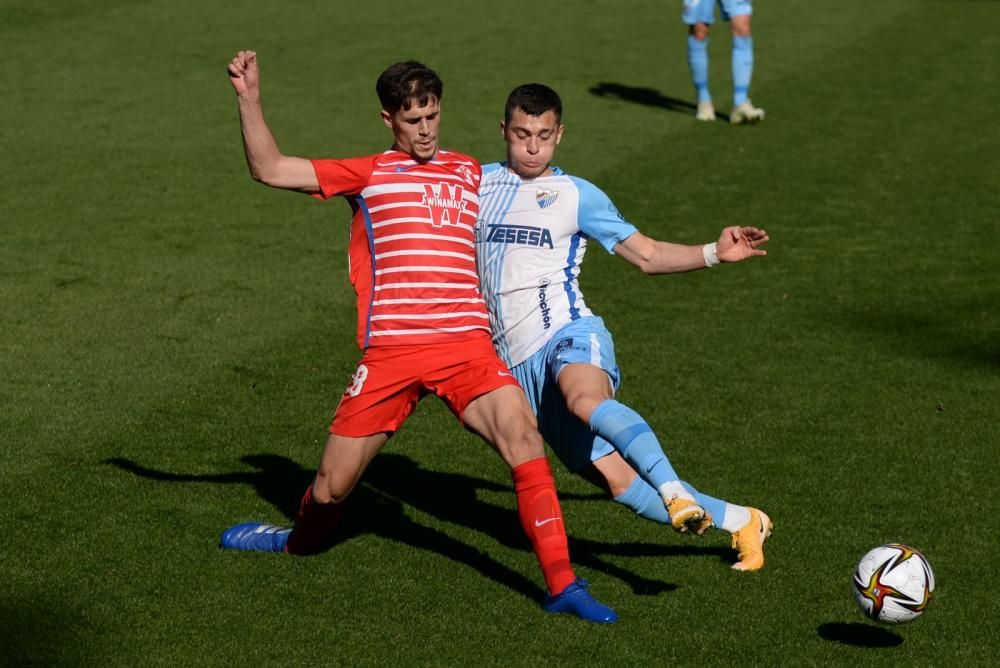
(686, 516)
(749, 541)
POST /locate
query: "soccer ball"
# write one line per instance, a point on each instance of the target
(893, 584)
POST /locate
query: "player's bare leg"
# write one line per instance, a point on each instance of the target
(344, 460)
(504, 419)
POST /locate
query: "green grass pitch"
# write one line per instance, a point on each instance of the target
(174, 337)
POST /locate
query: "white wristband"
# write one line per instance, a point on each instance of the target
(711, 258)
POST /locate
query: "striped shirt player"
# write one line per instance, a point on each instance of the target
(422, 324)
(411, 254)
(413, 267)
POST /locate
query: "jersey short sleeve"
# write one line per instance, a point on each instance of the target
(345, 177)
(598, 217)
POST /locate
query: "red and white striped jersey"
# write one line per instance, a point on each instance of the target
(412, 249)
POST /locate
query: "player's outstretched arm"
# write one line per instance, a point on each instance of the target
(659, 257)
(663, 257)
(266, 162)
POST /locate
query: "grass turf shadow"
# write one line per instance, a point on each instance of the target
(858, 635)
(649, 97)
(47, 631)
(393, 481)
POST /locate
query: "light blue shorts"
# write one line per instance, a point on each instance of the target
(585, 340)
(703, 11)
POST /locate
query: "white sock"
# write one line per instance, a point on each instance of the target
(736, 518)
(674, 489)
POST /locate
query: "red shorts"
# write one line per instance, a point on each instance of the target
(390, 380)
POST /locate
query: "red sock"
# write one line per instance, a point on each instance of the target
(313, 531)
(541, 519)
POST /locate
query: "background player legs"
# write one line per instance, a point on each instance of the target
(743, 109)
(742, 58)
(697, 53)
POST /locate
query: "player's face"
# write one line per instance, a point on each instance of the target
(416, 129)
(531, 142)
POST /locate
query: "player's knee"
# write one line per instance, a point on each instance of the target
(523, 444)
(699, 31)
(330, 487)
(739, 27)
(583, 404)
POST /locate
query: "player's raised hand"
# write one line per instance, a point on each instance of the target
(739, 243)
(244, 74)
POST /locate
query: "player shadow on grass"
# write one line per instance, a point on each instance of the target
(858, 635)
(649, 97)
(391, 481)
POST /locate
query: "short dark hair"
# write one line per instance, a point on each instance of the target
(533, 99)
(402, 84)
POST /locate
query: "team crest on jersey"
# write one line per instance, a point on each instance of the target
(466, 173)
(445, 202)
(546, 197)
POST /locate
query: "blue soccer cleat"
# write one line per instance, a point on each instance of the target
(255, 536)
(576, 600)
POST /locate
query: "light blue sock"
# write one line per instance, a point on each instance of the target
(631, 436)
(644, 502)
(742, 68)
(716, 507)
(698, 62)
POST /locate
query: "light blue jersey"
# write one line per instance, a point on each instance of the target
(703, 11)
(531, 237)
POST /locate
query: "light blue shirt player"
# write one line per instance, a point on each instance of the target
(531, 237)
(534, 224)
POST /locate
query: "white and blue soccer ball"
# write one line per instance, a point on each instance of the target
(893, 584)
